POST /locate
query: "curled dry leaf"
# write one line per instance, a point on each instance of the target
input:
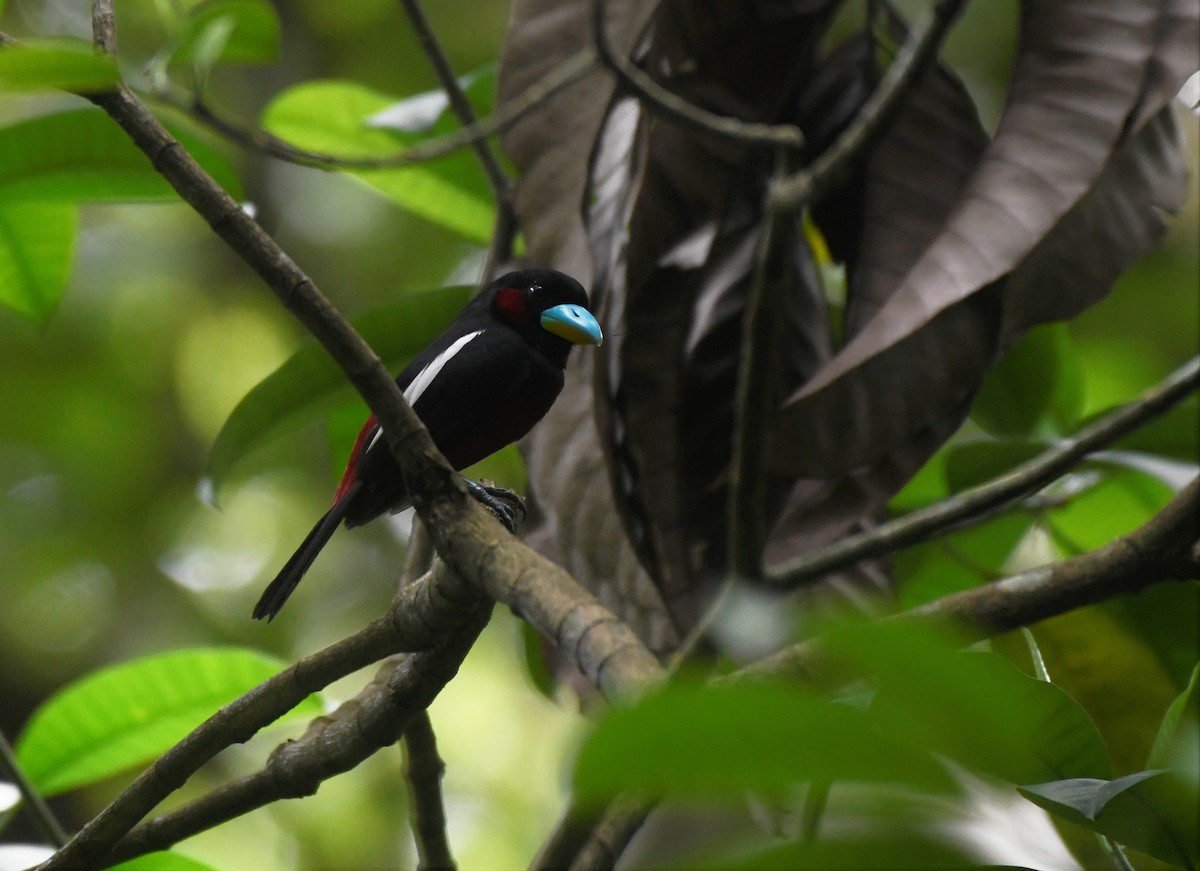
(953, 246)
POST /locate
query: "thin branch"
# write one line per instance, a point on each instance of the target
(677, 109)
(621, 821)
(570, 835)
(755, 396)
(979, 502)
(374, 719)
(918, 51)
(423, 770)
(419, 618)
(458, 99)
(1165, 548)
(1162, 549)
(33, 800)
(503, 116)
(104, 26)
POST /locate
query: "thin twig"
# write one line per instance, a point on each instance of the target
(1158, 550)
(756, 394)
(979, 502)
(374, 719)
(918, 51)
(423, 770)
(621, 821)
(1165, 548)
(503, 116)
(33, 800)
(677, 109)
(458, 99)
(104, 26)
(419, 618)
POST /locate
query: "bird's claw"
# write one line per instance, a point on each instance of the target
(508, 507)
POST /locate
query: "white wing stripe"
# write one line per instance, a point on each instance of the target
(425, 377)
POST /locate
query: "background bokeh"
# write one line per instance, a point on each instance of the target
(109, 546)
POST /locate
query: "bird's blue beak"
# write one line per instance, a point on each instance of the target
(574, 323)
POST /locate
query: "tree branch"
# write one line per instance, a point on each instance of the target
(454, 92)
(38, 808)
(420, 617)
(914, 57)
(1162, 549)
(423, 770)
(567, 73)
(754, 402)
(332, 745)
(677, 109)
(977, 503)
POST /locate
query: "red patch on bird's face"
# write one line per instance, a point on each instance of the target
(510, 302)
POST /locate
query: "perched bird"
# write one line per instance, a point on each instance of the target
(481, 385)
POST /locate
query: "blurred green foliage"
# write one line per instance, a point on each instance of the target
(129, 336)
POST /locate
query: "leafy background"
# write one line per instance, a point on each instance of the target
(114, 390)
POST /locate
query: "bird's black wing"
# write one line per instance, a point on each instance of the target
(476, 393)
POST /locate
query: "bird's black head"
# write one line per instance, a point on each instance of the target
(547, 307)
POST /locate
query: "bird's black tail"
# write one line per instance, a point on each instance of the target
(289, 576)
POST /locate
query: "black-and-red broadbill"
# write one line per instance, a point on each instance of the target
(481, 385)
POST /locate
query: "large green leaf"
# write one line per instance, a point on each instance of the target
(331, 117)
(1184, 710)
(1175, 434)
(977, 462)
(164, 861)
(1037, 388)
(1118, 501)
(309, 383)
(1151, 811)
(874, 849)
(720, 741)
(83, 156)
(56, 64)
(37, 241)
(958, 561)
(973, 707)
(253, 35)
(128, 714)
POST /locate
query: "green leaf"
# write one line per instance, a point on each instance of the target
(428, 112)
(974, 463)
(208, 46)
(309, 383)
(128, 714)
(1175, 434)
(720, 741)
(56, 64)
(1186, 705)
(1036, 388)
(83, 156)
(973, 707)
(248, 32)
(331, 117)
(870, 850)
(929, 485)
(1151, 811)
(959, 561)
(1120, 500)
(163, 861)
(37, 241)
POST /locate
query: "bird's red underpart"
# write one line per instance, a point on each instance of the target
(351, 474)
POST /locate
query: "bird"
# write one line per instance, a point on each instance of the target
(479, 386)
